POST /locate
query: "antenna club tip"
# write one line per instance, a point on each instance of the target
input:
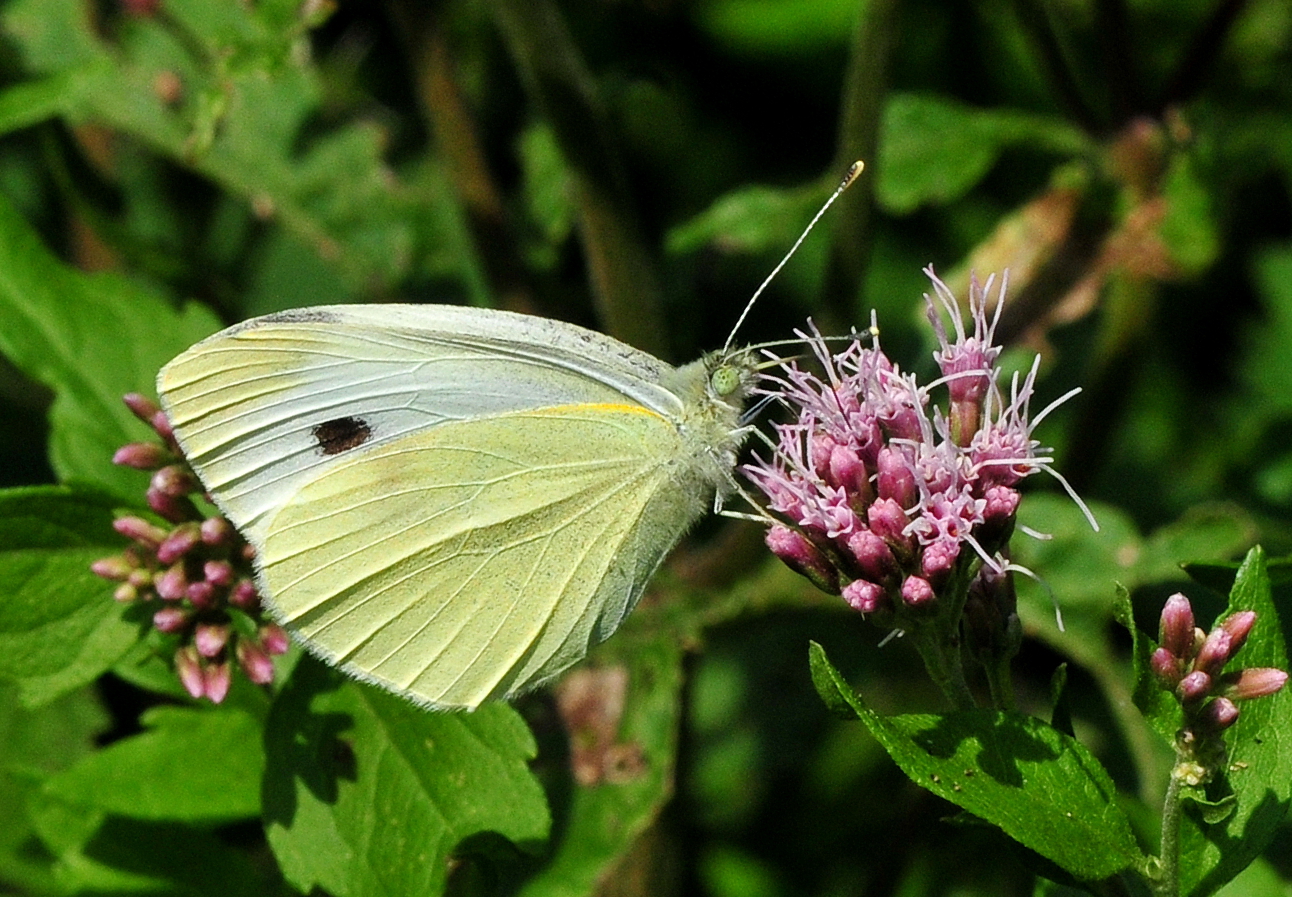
(854, 172)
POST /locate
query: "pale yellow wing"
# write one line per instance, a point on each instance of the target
(482, 557)
(267, 405)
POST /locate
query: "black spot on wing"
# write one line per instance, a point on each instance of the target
(341, 435)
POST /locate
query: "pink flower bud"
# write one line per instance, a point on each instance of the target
(170, 619)
(1176, 630)
(140, 406)
(864, 596)
(916, 591)
(1239, 626)
(797, 551)
(210, 638)
(141, 456)
(939, 558)
(1256, 682)
(873, 556)
(180, 541)
(904, 412)
(273, 638)
(258, 665)
(125, 593)
(1166, 667)
(188, 665)
(896, 479)
(887, 520)
(140, 530)
(848, 471)
(218, 573)
(821, 446)
(140, 578)
(115, 568)
(244, 595)
(1215, 652)
(1193, 687)
(173, 583)
(216, 531)
(173, 480)
(1002, 503)
(1218, 715)
(201, 593)
(216, 679)
(176, 510)
(161, 426)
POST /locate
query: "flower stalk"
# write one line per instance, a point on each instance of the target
(1191, 665)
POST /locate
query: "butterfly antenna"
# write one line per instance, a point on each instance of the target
(854, 171)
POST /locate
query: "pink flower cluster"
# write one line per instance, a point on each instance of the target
(196, 567)
(884, 498)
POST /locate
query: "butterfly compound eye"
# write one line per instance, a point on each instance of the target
(725, 379)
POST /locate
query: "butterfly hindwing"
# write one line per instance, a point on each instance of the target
(479, 558)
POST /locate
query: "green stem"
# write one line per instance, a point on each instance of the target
(865, 87)
(940, 651)
(1000, 683)
(621, 264)
(1172, 808)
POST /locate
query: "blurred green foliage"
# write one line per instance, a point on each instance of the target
(639, 167)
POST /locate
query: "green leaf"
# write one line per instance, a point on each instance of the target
(601, 822)
(100, 854)
(91, 339)
(934, 150)
(1082, 568)
(1041, 787)
(33, 102)
(1159, 706)
(1259, 774)
(190, 765)
(366, 794)
(778, 27)
(548, 190)
(33, 744)
(250, 93)
(59, 627)
(1265, 366)
(1212, 531)
(750, 219)
(1189, 226)
(1260, 879)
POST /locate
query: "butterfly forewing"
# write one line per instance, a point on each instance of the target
(258, 408)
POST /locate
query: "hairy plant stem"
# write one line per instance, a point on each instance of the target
(1172, 808)
(999, 682)
(939, 648)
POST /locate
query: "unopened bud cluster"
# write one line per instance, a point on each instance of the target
(1191, 664)
(195, 569)
(885, 498)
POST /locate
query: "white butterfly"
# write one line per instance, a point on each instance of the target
(453, 503)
